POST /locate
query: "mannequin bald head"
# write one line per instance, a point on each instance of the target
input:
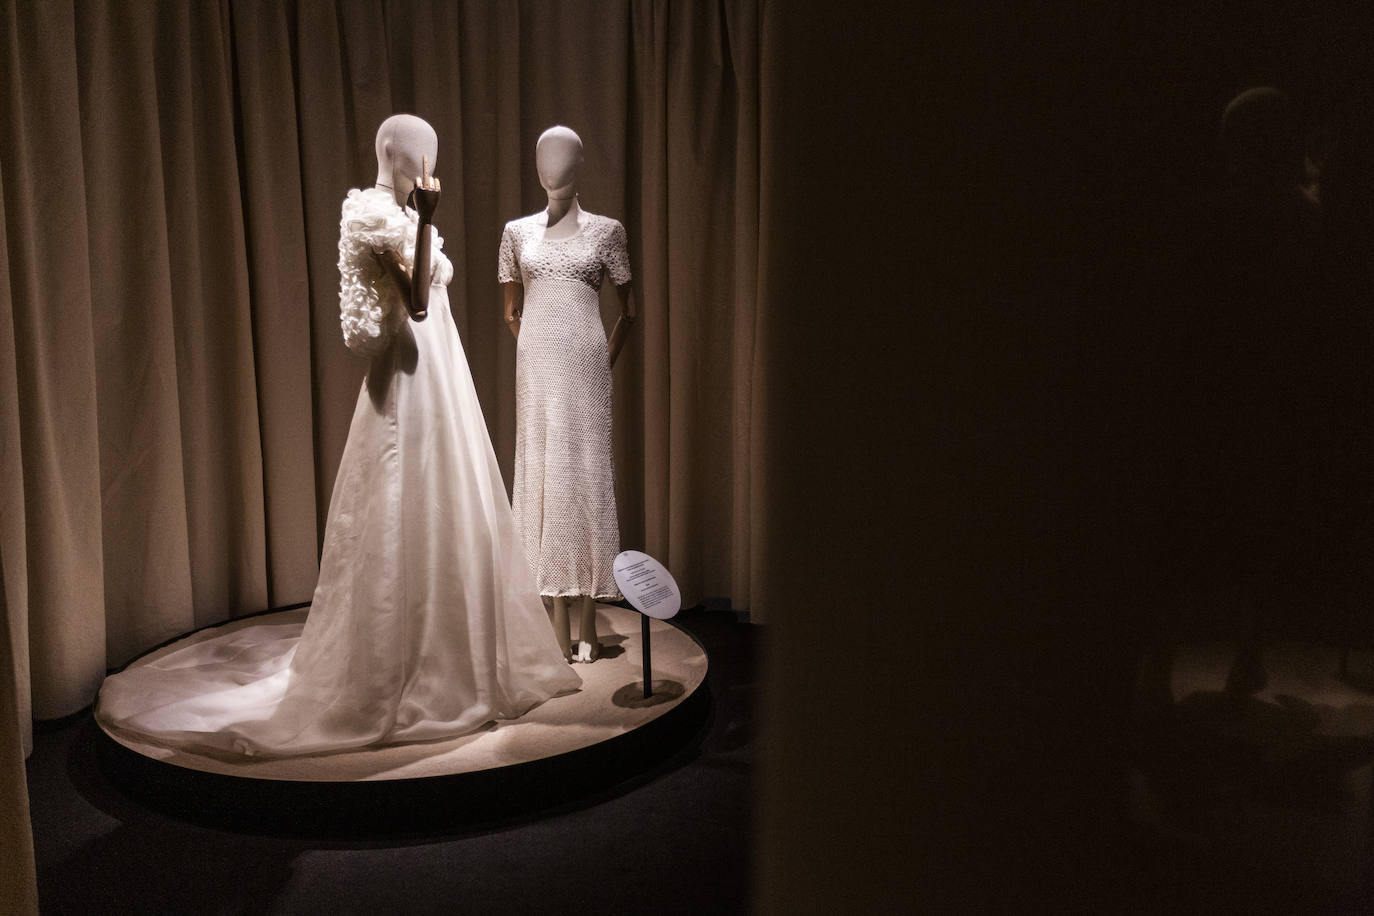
(1262, 139)
(403, 142)
(557, 157)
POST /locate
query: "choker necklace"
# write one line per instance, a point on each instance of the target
(387, 186)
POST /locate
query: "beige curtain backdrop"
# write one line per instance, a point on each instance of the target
(177, 391)
(18, 881)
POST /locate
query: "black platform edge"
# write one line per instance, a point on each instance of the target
(463, 802)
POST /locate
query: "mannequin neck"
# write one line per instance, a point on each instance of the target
(386, 183)
(564, 216)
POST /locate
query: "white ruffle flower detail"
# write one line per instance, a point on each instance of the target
(370, 306)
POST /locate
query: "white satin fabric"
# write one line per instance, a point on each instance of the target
(425, 623)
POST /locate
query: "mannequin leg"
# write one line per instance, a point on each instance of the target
(561, 630)
(586, 631)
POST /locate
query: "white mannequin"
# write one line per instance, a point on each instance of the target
(407, 148)
(557, 158)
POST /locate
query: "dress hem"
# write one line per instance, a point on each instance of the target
(564, 593)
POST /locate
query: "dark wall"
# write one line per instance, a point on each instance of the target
(955, 522)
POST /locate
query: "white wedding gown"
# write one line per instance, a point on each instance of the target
(426, 622)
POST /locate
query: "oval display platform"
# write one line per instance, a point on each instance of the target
(568, 749)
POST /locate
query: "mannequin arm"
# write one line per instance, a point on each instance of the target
(415, 287)
(395, 269)
(426, 199)
(414, 284)
(514, 305)
(623, 325)
(418, 300)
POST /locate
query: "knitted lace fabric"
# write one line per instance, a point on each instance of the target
(564, 488)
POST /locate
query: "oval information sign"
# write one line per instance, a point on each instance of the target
(647, 585)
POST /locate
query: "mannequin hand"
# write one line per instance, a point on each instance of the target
(393, 266)
(426, 192)
(619, 334)
(400, 274)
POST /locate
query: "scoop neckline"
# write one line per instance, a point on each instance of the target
(545, 225)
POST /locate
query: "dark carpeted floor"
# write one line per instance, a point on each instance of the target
(676, 840)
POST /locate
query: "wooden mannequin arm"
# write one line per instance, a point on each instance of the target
(418, 301)
(426, 197)
(623, 325)
(414, 285)
(514, 305)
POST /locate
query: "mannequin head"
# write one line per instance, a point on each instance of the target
(1262, 139)
(403, 141)
(557, 157)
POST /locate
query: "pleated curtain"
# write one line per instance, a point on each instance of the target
(177, 390)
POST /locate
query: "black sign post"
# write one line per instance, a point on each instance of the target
(650, 589)
(648, 672)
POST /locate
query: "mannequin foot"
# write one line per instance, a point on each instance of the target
(586, 626)
(587, 652)
(569, 649)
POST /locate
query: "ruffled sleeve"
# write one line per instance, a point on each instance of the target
(370, 309)
(508, 259)
(616, 255)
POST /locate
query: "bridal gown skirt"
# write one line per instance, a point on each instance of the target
(426, 622)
